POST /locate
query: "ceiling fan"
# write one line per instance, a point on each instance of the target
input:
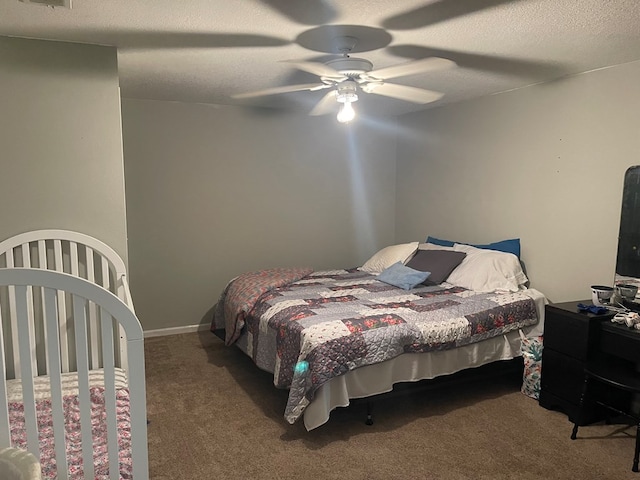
(348, 76)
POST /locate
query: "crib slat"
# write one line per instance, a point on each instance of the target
(58, 266)
(42, 263)
(105, 274)
(139, 447)
(106, 283)
(82, 355)
(28, 397)
(5, 430)
(91, 271)
(42, 254)
(122, 348)
(73, 257)
(124, 295)
(106, 322)
(53, 359)
(93, 312)
(26, 262)
(10, 259)
(11, 291)
(62, 308)
(26, 255)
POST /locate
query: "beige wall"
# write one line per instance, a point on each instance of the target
(545, 163)
(61, 140)
(216, 191)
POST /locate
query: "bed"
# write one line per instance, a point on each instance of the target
(333, 336)
(72, 353)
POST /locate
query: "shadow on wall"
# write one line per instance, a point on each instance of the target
(207, 319)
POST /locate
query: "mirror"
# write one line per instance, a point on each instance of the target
(628, 258)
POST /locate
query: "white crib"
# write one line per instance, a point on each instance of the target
(79, 255)
(72, 353)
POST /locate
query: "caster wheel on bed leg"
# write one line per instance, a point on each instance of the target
(369, 420)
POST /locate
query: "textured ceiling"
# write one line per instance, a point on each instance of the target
(207, 50)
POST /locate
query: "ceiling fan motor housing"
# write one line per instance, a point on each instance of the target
(351, 67)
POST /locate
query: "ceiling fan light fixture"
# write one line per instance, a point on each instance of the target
(346, 92)
(346, 113)
(346, 97)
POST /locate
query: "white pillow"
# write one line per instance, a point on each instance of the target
(388, 256)
(433, 246)
(485, 270)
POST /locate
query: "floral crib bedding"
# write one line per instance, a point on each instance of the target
(71, 407)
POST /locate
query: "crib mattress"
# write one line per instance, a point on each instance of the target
(71, 406)
(69, 384)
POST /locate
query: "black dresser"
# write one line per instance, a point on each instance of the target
(571, 337)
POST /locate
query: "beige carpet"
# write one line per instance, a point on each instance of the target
(214, 415)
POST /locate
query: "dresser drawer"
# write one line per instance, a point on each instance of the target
(570, 333)
(562, 375)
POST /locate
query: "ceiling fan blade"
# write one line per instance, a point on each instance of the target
(284, 89)
(326, 105)
(403, 92)
(436, 12)
(319, 69)
(410, 68)
(532, 69)
(134, 40)
(317, 12)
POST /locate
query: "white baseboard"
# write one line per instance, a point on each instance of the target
(161, 332)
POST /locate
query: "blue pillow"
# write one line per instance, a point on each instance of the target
(442, 243)
(508, 246)
(401, 276)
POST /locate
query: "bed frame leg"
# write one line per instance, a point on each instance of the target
(369, 420)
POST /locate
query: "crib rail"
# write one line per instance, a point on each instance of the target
(81, 256)
(85, 297)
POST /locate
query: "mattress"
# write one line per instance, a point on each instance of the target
(71, 407)
(42, 389)
(380, 377)
(411, 367)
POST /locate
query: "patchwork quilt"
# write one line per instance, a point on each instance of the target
(326, 323)
(244, 291)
